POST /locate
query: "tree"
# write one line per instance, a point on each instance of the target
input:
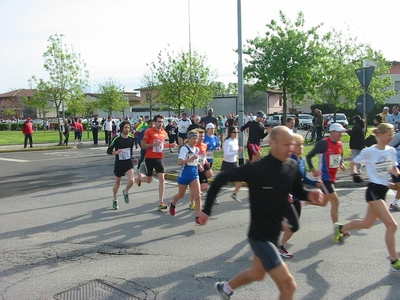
(185, 79)
(287, 57)
(67, 77)
(339, 85)
(232, 88)
(219, 88)
(41, 104)
(150, 84)
(112, 97)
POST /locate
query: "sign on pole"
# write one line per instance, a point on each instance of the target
(365, 81)
(370, 103)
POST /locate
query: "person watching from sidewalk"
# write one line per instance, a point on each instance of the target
(27, 130)
(384, 114)
(122, 147)
(67, 129)
(394, 117)
(95, 130)
(107, 125)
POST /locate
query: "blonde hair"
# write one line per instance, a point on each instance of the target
(297, 138)
(382, 128)
(199, 130)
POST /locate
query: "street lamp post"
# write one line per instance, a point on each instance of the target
(62, 103)
(240, 80)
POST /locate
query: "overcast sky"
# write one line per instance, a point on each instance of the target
(117, 38)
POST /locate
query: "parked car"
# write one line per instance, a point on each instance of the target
(276, 120)
(341, 118)
(305, 121)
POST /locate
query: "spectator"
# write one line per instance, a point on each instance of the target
(357, 138)
(210, 118)
(107, 125)
(371, 140)
(27, 130)
(67, 128)
(394, 117)
(318, 121)
(384, 114)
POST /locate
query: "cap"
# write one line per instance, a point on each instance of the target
(210, 125)
(386, 107)
(210, 109)
(337, 127)
(184, 114)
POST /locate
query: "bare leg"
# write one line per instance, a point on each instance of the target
(116, 186)
(161, 185)
(131, 179)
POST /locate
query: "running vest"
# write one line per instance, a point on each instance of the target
(331, 160)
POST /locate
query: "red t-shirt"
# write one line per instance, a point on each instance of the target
(150, 136)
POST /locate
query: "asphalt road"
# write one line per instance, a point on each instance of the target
(61, 239)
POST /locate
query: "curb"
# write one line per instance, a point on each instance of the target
(37, 149)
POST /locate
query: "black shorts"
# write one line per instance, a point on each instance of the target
(203, 177)
(267, 252)
(328, 187)
(228, 165)
(182, 135)
(172, 138)
(121, 167)
(375, 192)
(154, 163)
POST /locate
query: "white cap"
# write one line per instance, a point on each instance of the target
(210, 125)
(337, 127)
(386, 107)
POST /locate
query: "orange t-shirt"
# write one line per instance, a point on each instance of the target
(202, 148)
(150, 136)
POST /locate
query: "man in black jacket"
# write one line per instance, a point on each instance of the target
(269, 180)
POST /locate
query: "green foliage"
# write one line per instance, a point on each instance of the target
(150, 84)
(4, 126)
(9, 112)
(112, 97)
(287, 57)
(67, 77)
(185, 79)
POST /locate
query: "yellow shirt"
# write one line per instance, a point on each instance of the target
(384, 117)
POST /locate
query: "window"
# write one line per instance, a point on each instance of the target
(397, 86)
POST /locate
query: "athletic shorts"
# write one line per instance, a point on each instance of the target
(253, 148)
(78, 135)
(120, 168)
(154, 163)
(328, 187)
(395, 179)
(228, 165)
(182, 135)
(267, 252)
(186, 181)
(375, 192)
(293, 215)
(203, 177)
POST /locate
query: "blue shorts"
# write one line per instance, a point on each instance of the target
(267, 252)
(186, 181)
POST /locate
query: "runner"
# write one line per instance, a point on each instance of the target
(154, 142)
(270, 180)
(231, 149)
(210, 118)
(331, 159)
(221, 129)
(379, 161)
(212, 143)
(183, 125)
(294, 210)
(171, 130)
(121, 146)
(189, 174)
(256, 134)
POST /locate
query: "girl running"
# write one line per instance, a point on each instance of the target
(189, 175)
(379, 161)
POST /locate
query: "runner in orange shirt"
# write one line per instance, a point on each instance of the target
(154, 143)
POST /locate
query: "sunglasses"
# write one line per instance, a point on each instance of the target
(235, 131)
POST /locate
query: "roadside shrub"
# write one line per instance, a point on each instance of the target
(15, 126)
(4, 126)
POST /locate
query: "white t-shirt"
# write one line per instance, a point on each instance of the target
(184, 153)
(230, 148)
(183, 125)
(378, 163)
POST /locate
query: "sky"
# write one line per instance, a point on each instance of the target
(118, 38)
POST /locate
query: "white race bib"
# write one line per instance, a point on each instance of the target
(383, 168)
(159, 148)
(210, 154)
(193, 162)
(202, 160)
(334, 161)
(125, 154)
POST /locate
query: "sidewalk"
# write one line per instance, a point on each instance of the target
(344, 179)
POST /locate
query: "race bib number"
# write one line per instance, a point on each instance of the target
(334, 161)
(125, 154)
(383, 168)
(210, 154)
(193, 162)
(202, 160)
(159, 148)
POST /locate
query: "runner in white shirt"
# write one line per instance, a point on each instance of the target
(380, 161)
(183, 125)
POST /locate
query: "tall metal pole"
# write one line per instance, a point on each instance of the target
(190, 51)
(62, 103)
(240, 99)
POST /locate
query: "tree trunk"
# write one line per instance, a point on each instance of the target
(284, 106)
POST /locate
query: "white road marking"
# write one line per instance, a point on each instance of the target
(14, 160)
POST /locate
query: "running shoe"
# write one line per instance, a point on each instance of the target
(138, 181)
(394, 207)
(235, 197)
(115, 204)
(170, 150)
(219, 290)
(284, 253)
(345, 235)
(216, 202)
(192, 206)
(126, 196)
(171, 209)
(162, 205)
(396, 266)
(197, 222)
(336, 232)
